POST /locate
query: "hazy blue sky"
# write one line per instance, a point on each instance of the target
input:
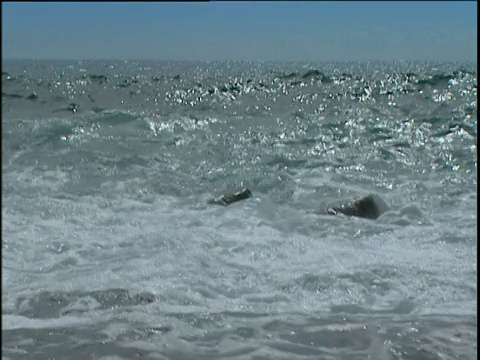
(290, 31)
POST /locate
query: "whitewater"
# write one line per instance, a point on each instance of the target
(111, 249)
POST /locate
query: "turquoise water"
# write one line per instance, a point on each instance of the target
(111, 250)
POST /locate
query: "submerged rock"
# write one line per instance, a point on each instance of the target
(368, 207)
(231, 197)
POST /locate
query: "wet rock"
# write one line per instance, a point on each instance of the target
(32, 96)
(73, 107)
(230, 197)
(368, 207)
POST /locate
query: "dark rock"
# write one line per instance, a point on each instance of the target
(368, 207)
(228, 198)
(32, 96)
(73, 107)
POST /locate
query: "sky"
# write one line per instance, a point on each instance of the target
(248, 31)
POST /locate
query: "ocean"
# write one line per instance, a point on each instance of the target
(112, 250)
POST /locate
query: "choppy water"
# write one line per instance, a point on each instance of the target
(110, 250)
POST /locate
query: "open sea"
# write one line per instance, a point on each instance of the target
(111, 250)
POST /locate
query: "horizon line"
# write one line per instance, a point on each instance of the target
(238, 60)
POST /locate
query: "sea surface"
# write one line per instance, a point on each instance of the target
(110, 249)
